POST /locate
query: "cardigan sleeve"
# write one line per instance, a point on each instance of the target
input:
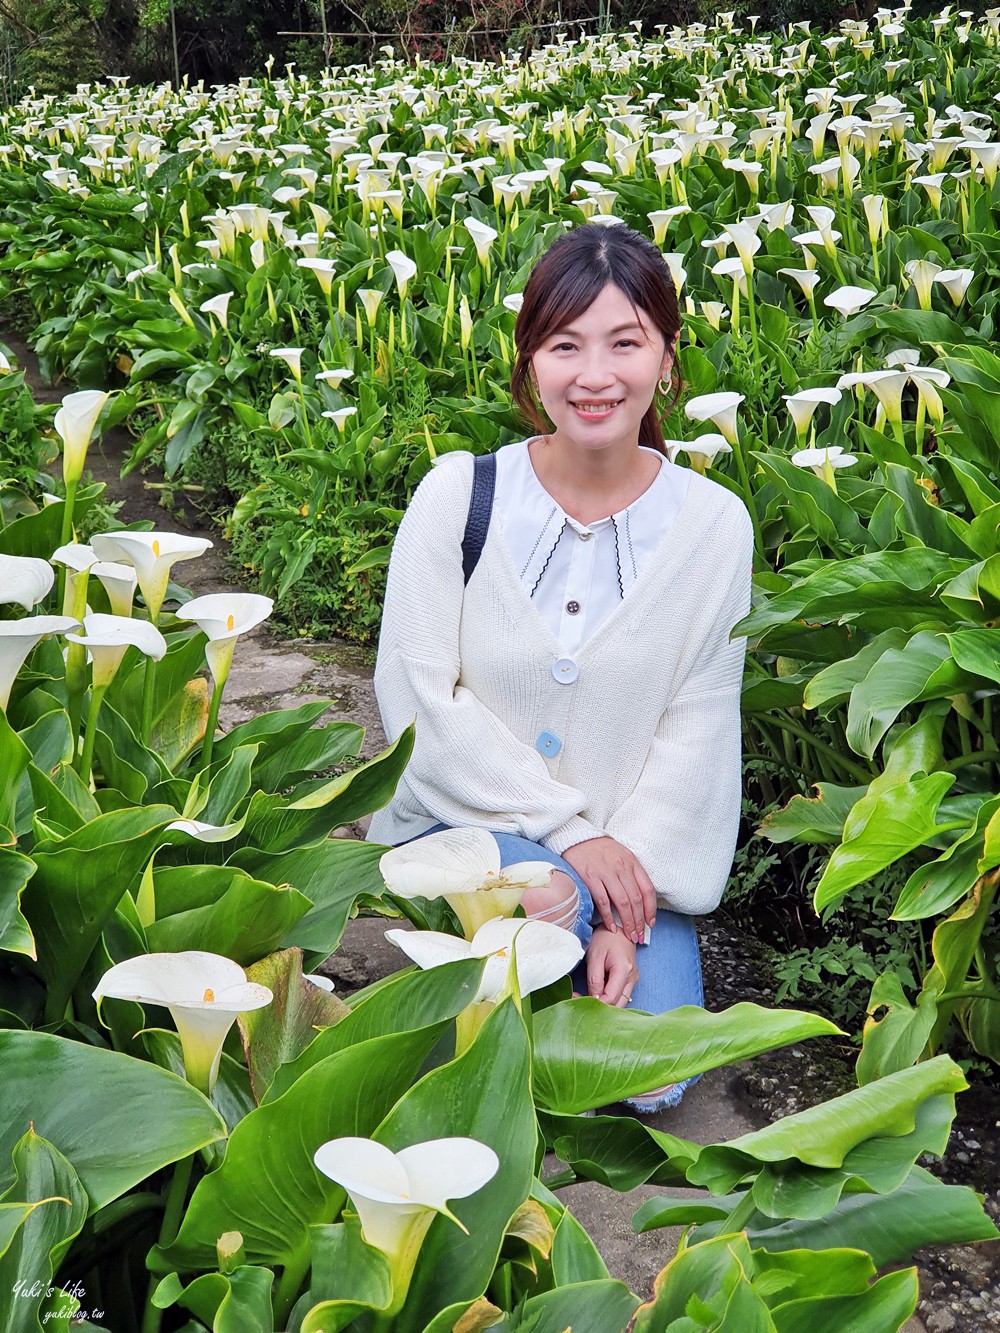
(467, 767)
(682, 817)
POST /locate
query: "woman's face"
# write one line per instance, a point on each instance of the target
(604, 357)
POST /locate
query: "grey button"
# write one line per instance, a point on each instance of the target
(586, 536)
(572, 608)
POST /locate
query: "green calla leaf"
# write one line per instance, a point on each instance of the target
(589, 1054)
(87, 1102)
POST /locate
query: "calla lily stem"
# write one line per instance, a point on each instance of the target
(169, 1227)
(289, 1284)
(210, 725)
(90, 735)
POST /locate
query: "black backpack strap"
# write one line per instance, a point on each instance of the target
(480, 508)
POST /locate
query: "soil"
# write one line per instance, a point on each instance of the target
(959, 1285)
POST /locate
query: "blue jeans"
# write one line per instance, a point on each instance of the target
(669, 965)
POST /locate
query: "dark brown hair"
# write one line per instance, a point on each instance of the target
(565, 282)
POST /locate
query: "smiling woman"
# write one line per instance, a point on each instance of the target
(578, 696)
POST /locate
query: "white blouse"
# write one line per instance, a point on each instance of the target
(576, 573)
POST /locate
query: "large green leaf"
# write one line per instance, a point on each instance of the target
(332, 874)
(890, 1227)
(273, 731)
(704, 1273)
(274, 826)
(589, 1054)
(833, 685)
(77, 884)
(618, 1151)
(877, 1166)
(278, 1033)
(977, 651)
(813, 818)
(44, 1179)
(408, 1001)
(936, 886)
(898, 1038)
(829, 516)
(88, 1102)
(824, 1135)
(237, 1302)
(14, 760)
(897, 581)
(900, 818)
(267, 1186)
(312, 751)
(15, 871)
(222, 910)
(484, 1095)
(923, 669)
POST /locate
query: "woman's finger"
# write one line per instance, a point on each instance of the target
(603, 904)
(647, 891)
(596, 970)
(626, 897)
(619, 980)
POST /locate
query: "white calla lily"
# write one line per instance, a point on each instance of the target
(74, 424)
(18, 637)
(719, 408)
(24, 580)
(398, 1194)
(956, 282)
(322, 270)
(77, 556)
(848, 300)
(152, 555)
(802, 406)
(109, 638)
(702, 450)
(119, 582)
(824, 462)
(292, 357)
(462, 866)
(403, 269)
(219, 307)
(197, 828)
(922, 272)
(224, 616)
(324, 983)
(203, 991)
(544, 952)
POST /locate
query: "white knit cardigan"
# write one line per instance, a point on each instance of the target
(648, 732)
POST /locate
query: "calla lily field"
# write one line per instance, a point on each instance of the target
(296, 295)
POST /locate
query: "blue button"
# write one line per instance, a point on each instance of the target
(548, 744)
(565, 670)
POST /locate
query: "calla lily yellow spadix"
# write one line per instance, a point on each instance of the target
(398, 1194)
(462, 866)
(203, 991)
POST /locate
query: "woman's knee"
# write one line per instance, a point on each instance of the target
(558, 902)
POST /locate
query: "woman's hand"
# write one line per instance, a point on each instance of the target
(617, 880)
(611, 967)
